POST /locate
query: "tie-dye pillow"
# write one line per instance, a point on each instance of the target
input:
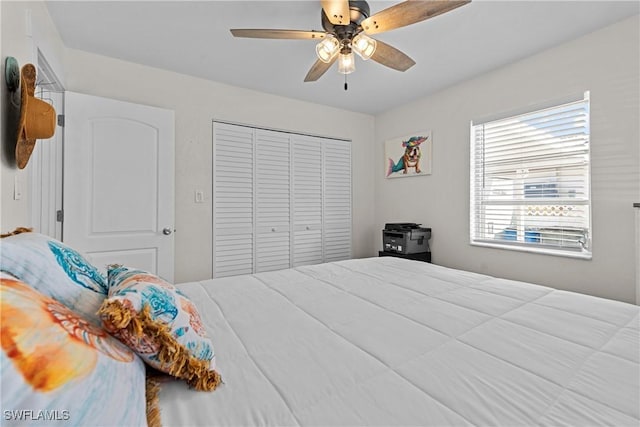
(58, 368)
(160, 324)
(55, 270)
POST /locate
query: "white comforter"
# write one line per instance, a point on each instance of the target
(386, 341)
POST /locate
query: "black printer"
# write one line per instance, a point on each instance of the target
(405, 238)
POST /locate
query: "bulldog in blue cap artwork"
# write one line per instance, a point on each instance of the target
(411, 158)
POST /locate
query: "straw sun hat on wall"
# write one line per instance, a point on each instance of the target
(37, 117)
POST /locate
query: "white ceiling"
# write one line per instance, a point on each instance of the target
(192, 37)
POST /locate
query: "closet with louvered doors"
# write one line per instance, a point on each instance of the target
(280, 200)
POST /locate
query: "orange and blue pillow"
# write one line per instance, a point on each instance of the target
(57, 366)
(160, 324)
(55, 270)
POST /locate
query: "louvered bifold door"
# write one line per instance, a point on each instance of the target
(232, 200)
(337, 200)
(272, 167)
(307, 200)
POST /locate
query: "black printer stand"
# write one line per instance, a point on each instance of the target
(423, 256)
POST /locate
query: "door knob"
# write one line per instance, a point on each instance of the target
(166, 231)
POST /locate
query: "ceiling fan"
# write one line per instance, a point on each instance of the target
(347, 26)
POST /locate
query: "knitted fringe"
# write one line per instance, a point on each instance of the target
(18, 230)
(173, 357)
(152, 388)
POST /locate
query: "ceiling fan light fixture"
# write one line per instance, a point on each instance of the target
(364, 46)
(345, 21)
(346, 63)
(327, 49)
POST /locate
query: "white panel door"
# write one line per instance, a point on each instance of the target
(273, 193)
(232, 200)
(119, 183)
(337, 200)
(307, 200)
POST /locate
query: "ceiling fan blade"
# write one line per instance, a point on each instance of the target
(391, 57)
(318, 69)
(407, 13)
(337, 11)
(278, 34)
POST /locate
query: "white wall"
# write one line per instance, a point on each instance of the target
(196, 102)
(21, 40)
(607, 64)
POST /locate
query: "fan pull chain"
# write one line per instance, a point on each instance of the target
(345, 82)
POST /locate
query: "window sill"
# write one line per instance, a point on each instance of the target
(544, 251)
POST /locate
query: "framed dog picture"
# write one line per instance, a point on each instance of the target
(408, 155)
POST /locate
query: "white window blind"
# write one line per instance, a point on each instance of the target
(530, 181)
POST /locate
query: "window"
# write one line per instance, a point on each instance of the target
(530, 181)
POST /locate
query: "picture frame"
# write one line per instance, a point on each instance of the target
(409, 155)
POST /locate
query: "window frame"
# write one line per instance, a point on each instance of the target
(475, 214)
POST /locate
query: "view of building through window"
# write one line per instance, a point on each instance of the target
(530, 179)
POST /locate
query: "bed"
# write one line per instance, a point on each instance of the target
(375, 341)
(388, 341)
